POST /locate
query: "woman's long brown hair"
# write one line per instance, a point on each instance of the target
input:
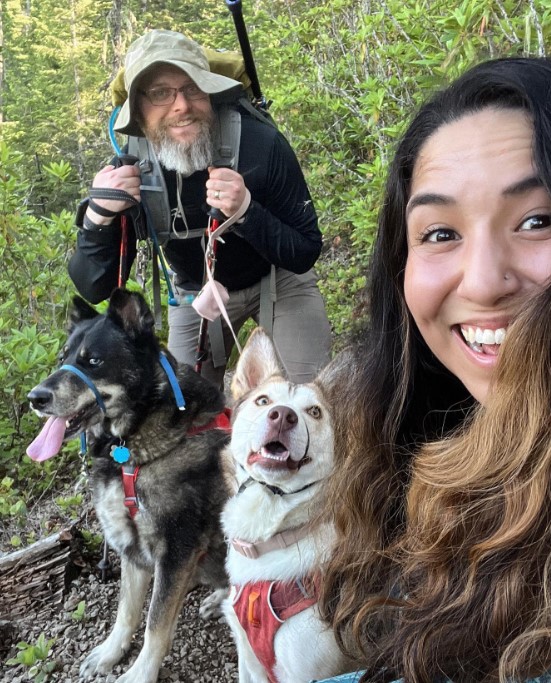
(395, 395)
(474, 563)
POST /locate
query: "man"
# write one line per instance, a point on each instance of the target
(171, 99)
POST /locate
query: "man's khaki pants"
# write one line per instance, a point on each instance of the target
(300, 328)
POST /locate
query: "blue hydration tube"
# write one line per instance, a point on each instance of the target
(112, 119)
(172, 300)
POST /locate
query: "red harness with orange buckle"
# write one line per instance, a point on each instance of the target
(263, 606)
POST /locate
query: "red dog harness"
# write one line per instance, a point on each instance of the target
(130, 472)
(262, 607)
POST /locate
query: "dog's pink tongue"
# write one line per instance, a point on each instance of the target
(48, 442)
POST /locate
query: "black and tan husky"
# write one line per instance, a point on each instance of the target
(160, 428)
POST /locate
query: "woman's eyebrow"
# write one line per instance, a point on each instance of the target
(428, 198)
(523, 186)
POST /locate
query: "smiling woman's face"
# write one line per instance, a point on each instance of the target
(479, 239)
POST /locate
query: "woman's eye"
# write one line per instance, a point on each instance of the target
(439, 235)
(538, 222)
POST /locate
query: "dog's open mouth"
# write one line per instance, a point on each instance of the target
(274, 455)
(55, 431)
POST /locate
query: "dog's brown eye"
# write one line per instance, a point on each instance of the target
(315, 412)
(262, 401)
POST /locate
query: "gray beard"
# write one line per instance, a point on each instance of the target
(184, 157)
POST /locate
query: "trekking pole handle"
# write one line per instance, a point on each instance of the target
(126, 160)
(216, 215)
(237, 12)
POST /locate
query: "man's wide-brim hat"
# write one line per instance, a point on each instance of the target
(166, 47)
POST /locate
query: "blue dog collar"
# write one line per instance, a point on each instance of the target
(179, 397)
(167, 367)
(88, 382)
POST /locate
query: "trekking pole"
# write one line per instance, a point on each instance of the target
(124, 159)
(236, 9)
(201, 354)
(216, 216)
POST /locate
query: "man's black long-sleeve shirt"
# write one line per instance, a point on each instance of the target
(280, 228)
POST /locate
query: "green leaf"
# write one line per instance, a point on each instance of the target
(78, 613)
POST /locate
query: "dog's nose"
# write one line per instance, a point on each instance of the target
(39, 398)
(283, 417)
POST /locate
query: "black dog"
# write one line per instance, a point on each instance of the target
(117, 384)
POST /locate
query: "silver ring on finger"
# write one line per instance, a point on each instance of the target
(217, 194)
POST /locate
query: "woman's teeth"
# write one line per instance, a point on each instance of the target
(475, 336)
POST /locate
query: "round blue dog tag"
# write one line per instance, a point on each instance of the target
(120, 454)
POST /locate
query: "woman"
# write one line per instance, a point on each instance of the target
(464, 239)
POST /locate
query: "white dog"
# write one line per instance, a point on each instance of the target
(282, 450)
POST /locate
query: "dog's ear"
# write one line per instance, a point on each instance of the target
(258, 363)
(336, 376)
(80, 310)
(130, 311)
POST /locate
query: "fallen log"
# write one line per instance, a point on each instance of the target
(35, 578)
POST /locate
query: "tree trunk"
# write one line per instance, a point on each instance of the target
(2, 13)
(115, 28)
(78, 105)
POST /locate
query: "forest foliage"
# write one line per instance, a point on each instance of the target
(344, 76)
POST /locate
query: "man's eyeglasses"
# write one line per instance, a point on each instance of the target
(163, 95)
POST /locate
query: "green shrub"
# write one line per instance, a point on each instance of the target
(34, 289)
(35, 658)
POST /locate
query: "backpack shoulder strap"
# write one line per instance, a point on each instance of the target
(154, 194)
(226, 136)
(153, 188)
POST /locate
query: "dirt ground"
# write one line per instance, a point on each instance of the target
(203, 651)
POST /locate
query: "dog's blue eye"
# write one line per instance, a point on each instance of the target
(95, 361)
(315, 412)
(262, 401)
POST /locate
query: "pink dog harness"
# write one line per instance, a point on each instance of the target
(262, 607)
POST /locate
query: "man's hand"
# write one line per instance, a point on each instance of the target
(125, 178)
(225, 190)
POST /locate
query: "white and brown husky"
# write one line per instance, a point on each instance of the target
(282, 451)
